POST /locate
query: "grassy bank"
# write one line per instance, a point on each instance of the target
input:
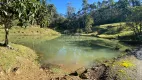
(30, 31)
(111, 31)
(37, 33)
(19, 63)
(9, 57)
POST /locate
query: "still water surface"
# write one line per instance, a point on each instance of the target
(66, 50)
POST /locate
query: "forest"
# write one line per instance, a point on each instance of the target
(104, 35)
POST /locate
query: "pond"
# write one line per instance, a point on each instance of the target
(66, 50)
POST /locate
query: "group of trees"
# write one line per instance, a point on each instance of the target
(107, 11)
(80, 21)
(135, 22)
(26, 12)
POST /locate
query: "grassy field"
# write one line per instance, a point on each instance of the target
(112, 31)
(20, 63)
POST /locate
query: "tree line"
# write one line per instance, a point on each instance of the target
(97, 13)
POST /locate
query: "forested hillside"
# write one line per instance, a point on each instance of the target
(100, 13)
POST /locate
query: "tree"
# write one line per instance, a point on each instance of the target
(88, 23)
(7, 15)
(99, 4)
(111, 2)
(93, 6)
(135, 22)
(104, 4)
(70, 16)
(123, 3)
(10, 10)
(70, 10)
(85, 6)
(27, 12)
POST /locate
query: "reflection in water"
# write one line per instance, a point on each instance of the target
(76, 56)
(66, 49)
(62, 51)
(61, 54)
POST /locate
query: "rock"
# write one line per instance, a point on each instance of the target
(96, 72)
(136, 49)
(137, 52)
(140, 49)
(139, 55)
(93, 68)
(80, 71)
(85, 76)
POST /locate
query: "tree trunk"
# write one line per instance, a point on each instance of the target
(6, 37)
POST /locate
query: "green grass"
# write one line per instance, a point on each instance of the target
(29, 31)
(112, 31)
(18, 33)
(115, 36)
(113, 25)
(10, 57)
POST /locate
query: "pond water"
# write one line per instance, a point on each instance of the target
(66, 50)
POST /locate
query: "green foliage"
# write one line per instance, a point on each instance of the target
(9, 57)
(136, 14)
(27, 12)
(88, 23)
(135, 22)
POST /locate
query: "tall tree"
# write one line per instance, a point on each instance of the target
(88, 23)
(70, 10)
(99, 4)
(111, 2)
(104, 4)
(123, 3)
(85, 6)
(7, 9)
